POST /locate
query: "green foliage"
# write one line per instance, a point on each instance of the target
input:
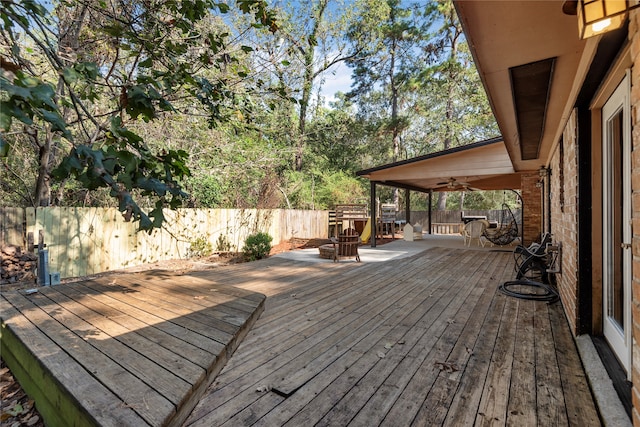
(337, 140)
(323, 190)
(340, 188)
(415, 77)
(162, 101)
(472, 200)
(200, 247)
(89, 71)
(120, 170)
(223, 244)
(469, 200)
(29, 99)
(257, 246)
(206, 191)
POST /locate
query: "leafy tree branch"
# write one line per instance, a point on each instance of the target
(79, 74)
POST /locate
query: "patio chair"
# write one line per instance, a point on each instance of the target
(346, 245)
(473, 230)
(507, 230)
(531, 261)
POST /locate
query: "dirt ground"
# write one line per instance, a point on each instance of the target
(17, 409)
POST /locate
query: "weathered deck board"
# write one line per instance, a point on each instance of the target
(425, 340)
(461, 339)
(306, 310)
(166, 312)
(432, 326)
(112, 375)
(521, 408)
(549, 396)
(146, 345)
(464, 407)
(411, 396)
(133, 319)
(104, 407)
(494, 394)
(145, 362)
(574, 386)
(351, 317)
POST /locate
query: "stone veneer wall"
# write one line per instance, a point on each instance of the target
(564, 216)
(634, 37)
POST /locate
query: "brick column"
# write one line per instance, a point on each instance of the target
(532, 210)
(634, 37)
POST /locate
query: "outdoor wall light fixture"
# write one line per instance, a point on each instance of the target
(598, 16)
(543, 172)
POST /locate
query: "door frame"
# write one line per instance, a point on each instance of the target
(618, 336)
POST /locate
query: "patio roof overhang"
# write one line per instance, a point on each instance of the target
(484, 165)
(532, 64)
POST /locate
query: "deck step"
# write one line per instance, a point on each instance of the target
(123, 350)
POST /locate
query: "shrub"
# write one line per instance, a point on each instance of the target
(223, 244)
(200, 247)
(257, 246)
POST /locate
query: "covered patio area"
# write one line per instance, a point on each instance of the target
(484, 165)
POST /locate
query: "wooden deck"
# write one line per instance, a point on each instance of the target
(128, 350)
(424, 340)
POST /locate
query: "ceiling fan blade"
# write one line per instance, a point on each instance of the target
(470, 188)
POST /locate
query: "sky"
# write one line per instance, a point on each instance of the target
(338, 79)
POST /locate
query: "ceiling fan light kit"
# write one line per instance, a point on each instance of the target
(454, 184)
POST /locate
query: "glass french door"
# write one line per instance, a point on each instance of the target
(616, 233)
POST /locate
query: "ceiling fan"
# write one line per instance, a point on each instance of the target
(455, 185)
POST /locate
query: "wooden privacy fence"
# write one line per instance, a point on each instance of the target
(12, 223)
(84, 241)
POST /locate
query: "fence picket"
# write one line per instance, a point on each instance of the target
(12, 226)
(84, 241)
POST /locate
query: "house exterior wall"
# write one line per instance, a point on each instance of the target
(532, 207)
(634, 38)
(564, 216)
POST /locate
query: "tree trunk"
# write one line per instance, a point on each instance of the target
(307, 85)
(71, 23)
(43, 187)
(394, 107)
(442, 201)
(304, 105)
(449, 114)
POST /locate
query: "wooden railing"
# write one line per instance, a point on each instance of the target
(446, 227)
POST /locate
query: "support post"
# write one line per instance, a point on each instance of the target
(429, 209)
(407, 205)
(373, 207)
